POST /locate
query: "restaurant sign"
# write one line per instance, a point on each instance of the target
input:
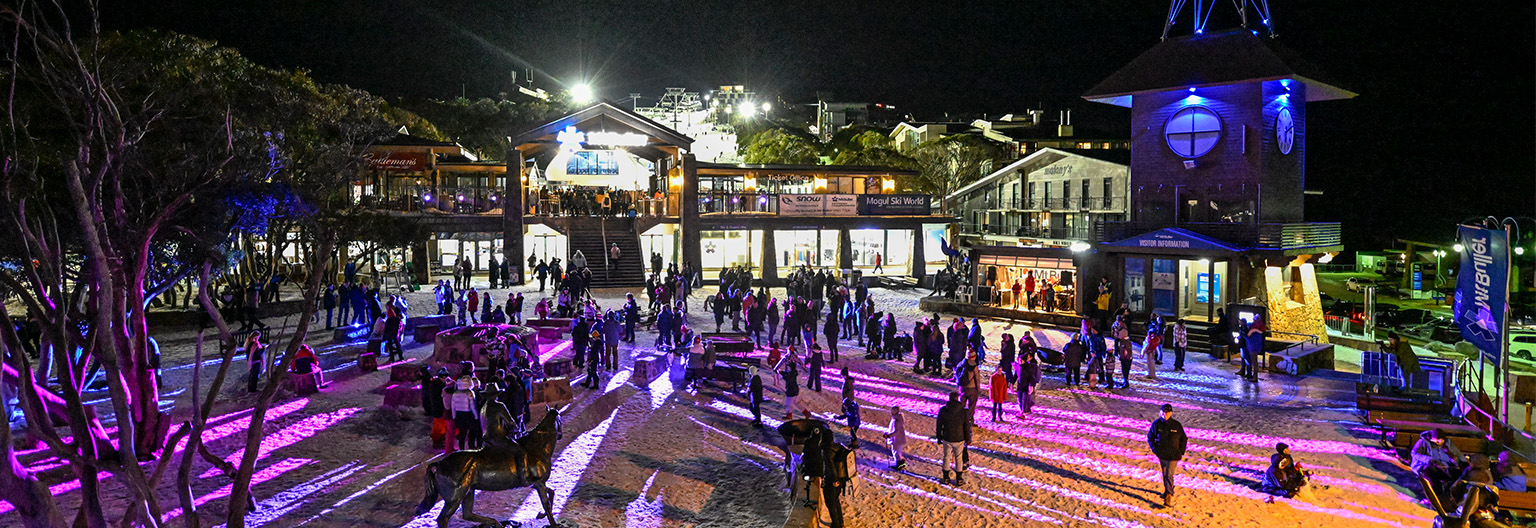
(403, 161)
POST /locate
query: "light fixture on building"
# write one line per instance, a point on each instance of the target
(1189, 164)
(819, 183)
(1079, 247)
(887, 184)
(1457, 247)
(426, 197)
(750, 183)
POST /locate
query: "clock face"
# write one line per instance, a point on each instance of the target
(1285, 131)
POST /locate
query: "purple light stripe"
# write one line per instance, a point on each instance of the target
(360, 492)
(268, 473)
(618, 380)
(284, 502)
(568, 469)
(1184, 481)
(209, 435)
(642, 513)
(288, 436)
(1297, 444)
(1021, 512)
(554, 351)
(661, 390)
(1155, 403)
(925, 493)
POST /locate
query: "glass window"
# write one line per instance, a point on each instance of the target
(1163, 284)
(721, 249)
(1136, 284)
(893, 246)
(1192, 131)
(592, 162)
(815, 248)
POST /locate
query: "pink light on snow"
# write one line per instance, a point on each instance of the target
(209, 435)
(1154, 403)
(554, 351)
(288, 436)
(265, 474)
(1183, 481)
(909, 490)
(284, 502)
(1297, 444)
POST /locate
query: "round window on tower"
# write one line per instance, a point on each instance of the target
(1192, 131)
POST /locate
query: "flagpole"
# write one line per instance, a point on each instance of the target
(1504, 380)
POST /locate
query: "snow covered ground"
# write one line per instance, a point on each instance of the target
(658, 455)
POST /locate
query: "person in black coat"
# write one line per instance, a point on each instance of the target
(952, 430)
(1072, 356)
(1167, 439)
(755, 392)
(835, 480)
(816, 363)
(831, 330)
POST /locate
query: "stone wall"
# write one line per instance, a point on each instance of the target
(1293, 300)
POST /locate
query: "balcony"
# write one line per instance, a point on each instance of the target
(1284, 237)
(1051, 233)
(1076, 204)
(480, 200)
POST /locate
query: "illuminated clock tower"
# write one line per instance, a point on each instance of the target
(1217, 176)
(1218, 123)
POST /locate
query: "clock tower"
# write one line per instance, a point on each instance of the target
(1217, 179)
(1218, 127)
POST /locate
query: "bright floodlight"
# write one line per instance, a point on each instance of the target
(1079, 247)
(767, 107)
(581, 93)
(1519, 250)
(745, 110)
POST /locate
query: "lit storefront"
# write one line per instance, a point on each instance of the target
(1058, 284)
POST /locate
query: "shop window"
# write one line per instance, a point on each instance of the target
(1136, 284)
(592, 162)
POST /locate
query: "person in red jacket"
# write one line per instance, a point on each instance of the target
(999, 393)
(474, 306)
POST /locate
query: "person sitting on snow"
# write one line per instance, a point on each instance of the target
(1284, 477)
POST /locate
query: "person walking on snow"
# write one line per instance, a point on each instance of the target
(1029, 378)
(952, 430)
(998, 393)
(897, 437)
(1167, 439)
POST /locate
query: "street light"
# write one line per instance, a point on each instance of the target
(582, 93)
(1457, 247)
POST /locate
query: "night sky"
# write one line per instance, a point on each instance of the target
(1442, 130)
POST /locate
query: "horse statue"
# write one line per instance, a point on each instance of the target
(504, 463)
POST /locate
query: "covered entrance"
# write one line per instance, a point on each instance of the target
(1175, 273)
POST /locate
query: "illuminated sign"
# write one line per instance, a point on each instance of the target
(572, 139)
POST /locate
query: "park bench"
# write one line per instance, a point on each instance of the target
(1369, 402)
(739, 360)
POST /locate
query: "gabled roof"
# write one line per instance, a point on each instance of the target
(1226, 57)
(402, 139)
(1046, 156)
(1115, 156)
(606, 113)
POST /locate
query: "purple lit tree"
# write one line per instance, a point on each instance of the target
(131, 162)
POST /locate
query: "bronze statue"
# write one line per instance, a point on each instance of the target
(1479, 507)
(504, 463)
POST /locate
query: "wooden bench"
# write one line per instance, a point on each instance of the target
(440, 321)
(1377, 402)
(1378, 416)
(1469, 445)
(1520, 503)
(739, 361)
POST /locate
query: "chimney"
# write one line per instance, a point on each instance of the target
(1034, 116)
(1065, 128)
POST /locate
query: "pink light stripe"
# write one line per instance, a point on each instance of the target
(928, 494)
(1297, 444)
(209, 435)
(266, 474)
(288, 436)
(241, 424)
(360, 493)
(554, 351)
(1110, 395)
(1184, 481)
